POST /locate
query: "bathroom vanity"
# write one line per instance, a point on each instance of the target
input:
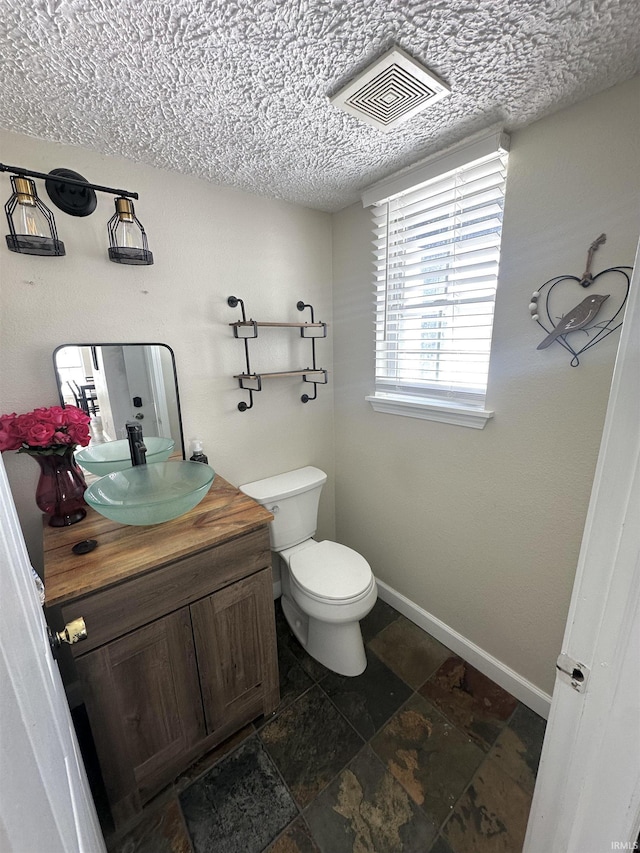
(180, 649)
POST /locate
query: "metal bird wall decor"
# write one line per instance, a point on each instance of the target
(545, 302)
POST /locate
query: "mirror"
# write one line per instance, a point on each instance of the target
(116, 383)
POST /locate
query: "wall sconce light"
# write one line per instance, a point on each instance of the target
(127, 237)
(33, 228)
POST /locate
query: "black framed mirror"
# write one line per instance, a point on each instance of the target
(115, 383)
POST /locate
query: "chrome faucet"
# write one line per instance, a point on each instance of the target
(137, 446)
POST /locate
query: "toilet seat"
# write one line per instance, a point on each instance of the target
(328, 571)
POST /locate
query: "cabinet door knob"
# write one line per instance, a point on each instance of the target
(72, 632)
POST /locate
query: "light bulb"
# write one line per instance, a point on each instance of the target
(128, 235)
(29, 221)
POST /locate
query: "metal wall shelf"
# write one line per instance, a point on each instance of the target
(248, 329)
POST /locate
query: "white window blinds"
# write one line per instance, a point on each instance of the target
(437, 251)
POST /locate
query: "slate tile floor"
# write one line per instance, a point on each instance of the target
(420, 754)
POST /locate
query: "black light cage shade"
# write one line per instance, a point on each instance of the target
(32, 242)
(121, 254)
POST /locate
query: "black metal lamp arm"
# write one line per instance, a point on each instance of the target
(28, 173)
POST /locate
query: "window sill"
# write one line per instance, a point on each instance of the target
(431, 410)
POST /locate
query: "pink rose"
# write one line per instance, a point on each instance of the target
(74, 415)
(9, 440)
(53, 415)
(23, 424)
(62, 438)
(79, 434)
(7, 422)
(39, 434)
(27, 418)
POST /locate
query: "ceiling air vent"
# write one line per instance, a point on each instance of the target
(390, 91)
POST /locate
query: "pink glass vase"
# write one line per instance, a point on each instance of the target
(61, 487)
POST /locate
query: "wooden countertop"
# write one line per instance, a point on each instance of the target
(125, 551)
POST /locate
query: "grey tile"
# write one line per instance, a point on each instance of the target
(287, 640)
(440, 846)
(366, 810)
(162, 830)
(311, 666)
(240, 806)
(530, 728)
(491, 816)
(432, 760)
(310, 742)
(379, 617)
(297, 839)
(367, 700)
(293, 683)
(518, 748)
(470, 700)
(410, 652)
(211, 758)
(293, 679)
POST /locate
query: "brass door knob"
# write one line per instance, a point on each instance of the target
(72, 633)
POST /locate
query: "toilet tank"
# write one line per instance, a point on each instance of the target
(293, 499)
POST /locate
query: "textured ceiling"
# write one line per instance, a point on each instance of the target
(236, 91)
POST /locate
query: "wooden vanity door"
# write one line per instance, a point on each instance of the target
(234, 631)
(143, 700)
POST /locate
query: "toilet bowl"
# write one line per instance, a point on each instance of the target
(327, 588)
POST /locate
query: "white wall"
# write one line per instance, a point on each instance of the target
(208, 243)
(482, 528)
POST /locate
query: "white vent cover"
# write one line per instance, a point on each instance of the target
(390, 91)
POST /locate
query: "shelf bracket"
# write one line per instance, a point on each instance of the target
(233, 302)
(301, 307)
(247, 330)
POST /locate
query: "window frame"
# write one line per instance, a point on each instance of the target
(449, 405)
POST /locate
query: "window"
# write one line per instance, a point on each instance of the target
(70, 368)
(436, 254)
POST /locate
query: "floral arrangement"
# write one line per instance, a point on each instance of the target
(46, 431)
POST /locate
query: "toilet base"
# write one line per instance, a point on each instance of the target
(338, 646)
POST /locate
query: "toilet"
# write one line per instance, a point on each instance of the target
(327, 588)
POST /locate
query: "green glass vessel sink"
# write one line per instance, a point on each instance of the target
(150, 494)
(115, 455)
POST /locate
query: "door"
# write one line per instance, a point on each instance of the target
(143, 700)
(153, 361)
(139, 384)
(45, 802)
(587, 798)
(236, 649)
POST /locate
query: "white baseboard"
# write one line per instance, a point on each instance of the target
(507, 678)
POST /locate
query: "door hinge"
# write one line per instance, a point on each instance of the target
(574, 672)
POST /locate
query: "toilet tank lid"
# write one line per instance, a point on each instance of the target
(284, 485)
